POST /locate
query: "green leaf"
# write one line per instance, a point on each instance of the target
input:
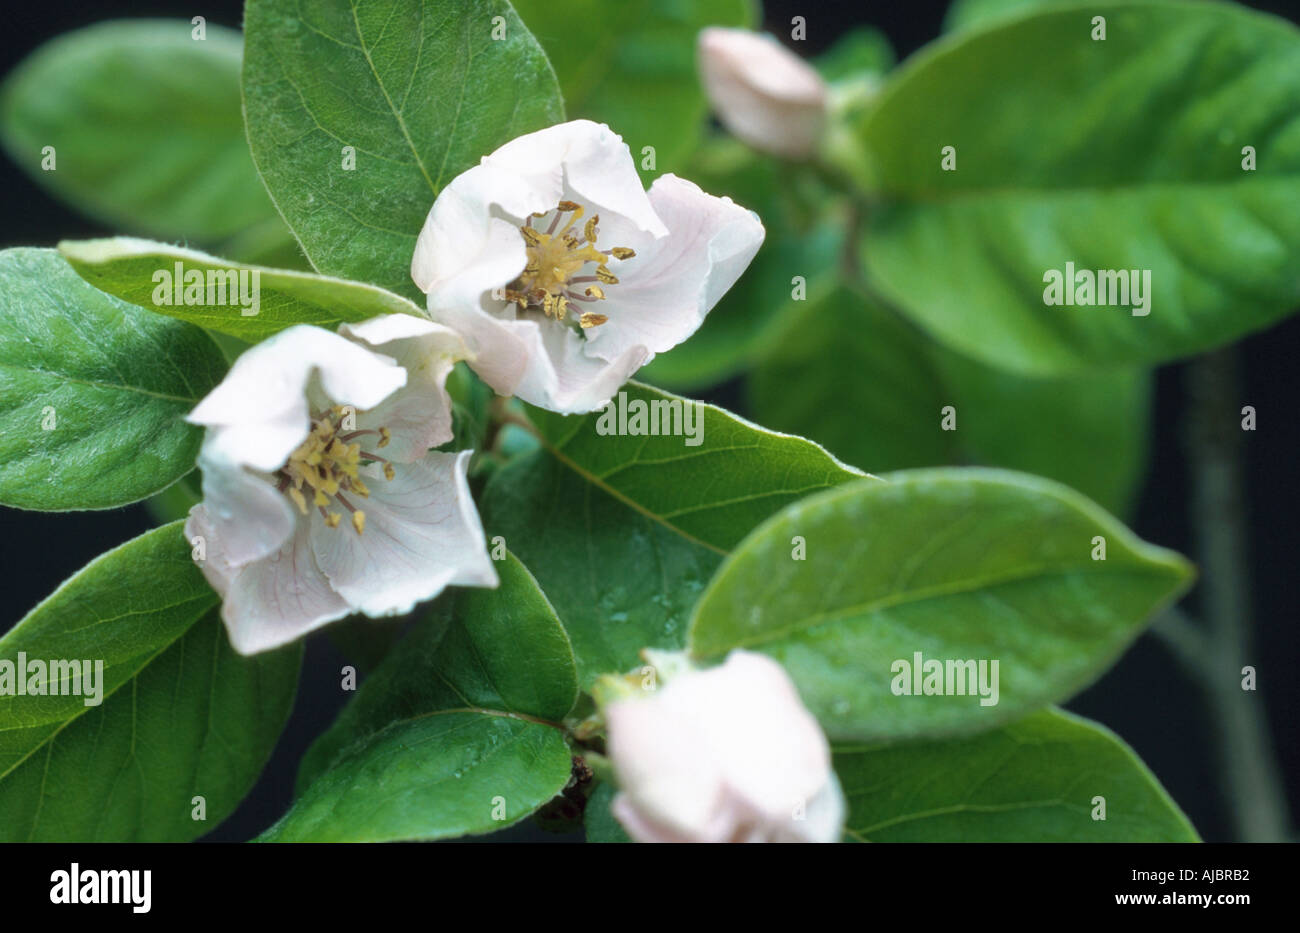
(418, 88)
(146, 128)
(1123, 154)
(956, 564)
(181, 716)
(1033, 780)
(632, 65)
(464, 711)
(598, 821)
(798, 256)
(623, 531)
(92, 390)
(871, 388)
(968, 14)
(131, 269)
(859, 53)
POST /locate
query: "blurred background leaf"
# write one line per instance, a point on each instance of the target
(870, 387)
(631, 64)
(1117, 154)
(147, 132)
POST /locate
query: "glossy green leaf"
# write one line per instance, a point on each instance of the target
(1122, 154)
(147, 274)
(969, 14)
(145, 125)
(624, 531)
(181, 715)
(92, 390)
(954, 564)
(419, 89)
(872, 389)
(856, 54)
(1033, 780)
(456, 732)
(598, 821)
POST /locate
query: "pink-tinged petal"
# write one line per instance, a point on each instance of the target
(279, 599)
(422, 534)
(666, 770)
(216, 567)
(259, 413)
(593, 164)
(665, 292)
(728, 754)
(418, 415)
(751, 699)
(823, 819)
(540, 361)
(246, 518)
(762, 92)
(470, 242)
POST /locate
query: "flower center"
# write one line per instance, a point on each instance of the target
(551, 279)
(326, 465)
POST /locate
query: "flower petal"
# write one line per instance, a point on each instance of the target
(665, 292)
(245, 517)
(260, 413)
(751, 699)
(670, 777)
(418, 415)
(277, 600)
(541, 362)
(762, 92)
(422, 533)
(470, 242)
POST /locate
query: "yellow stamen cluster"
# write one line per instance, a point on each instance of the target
(555, 259)
(325, 466)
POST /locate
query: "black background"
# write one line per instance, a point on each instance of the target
(1145, 698)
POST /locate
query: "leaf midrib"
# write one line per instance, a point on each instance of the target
(907, 597)
(95, 384)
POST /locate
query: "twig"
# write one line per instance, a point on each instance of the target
(1259, 808)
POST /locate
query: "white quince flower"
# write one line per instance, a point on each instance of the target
(310, 428)
(509, 257)
(766, 95)
(723, 755)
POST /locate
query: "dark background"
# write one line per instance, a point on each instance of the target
(1145, 698)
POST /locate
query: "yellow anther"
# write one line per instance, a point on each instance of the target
(555, 260)
(326, 465)
(298, 499)
(359, 521)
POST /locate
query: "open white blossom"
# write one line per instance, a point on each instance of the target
(762, 92)
(728, 754)
(564, 275)
(321, 497)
